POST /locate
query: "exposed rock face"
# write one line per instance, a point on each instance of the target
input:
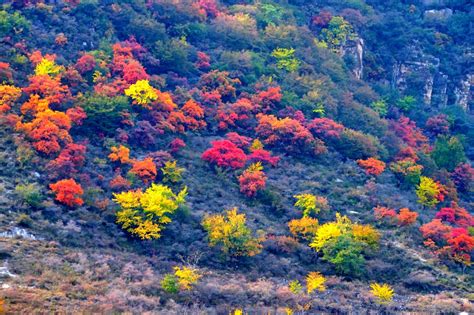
(18, 233)
(355, 48)
(421, 68)
(436, 88)
(464, 93)
(438, 15)
(433, 3)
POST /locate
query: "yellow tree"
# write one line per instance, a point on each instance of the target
(311, 204)
(142, 93)
(186, 277)
(144, 214)
(315, 281)
(230, 232)
(427, 191)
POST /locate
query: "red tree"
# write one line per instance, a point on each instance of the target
(289, 133)
(322, 19)
(48, 130)
(145, 170)
(76, 114)
(48, 88)
(384, 212)
(85, 63)
(406, 217)
(455, 215)
(435, 231)
(463, 177)
(264, 156)
(268, 98)
(240, 141)
(325, 128)
(409, 132)
(68, 192)
(176, 145)
(438, 124)
(372, 166)
(204, 61)
(252, 180)
(225, 154)
(68, 161)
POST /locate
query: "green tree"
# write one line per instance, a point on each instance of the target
(346, 255)
(103, 113)
(29, 194)
(12, 24)
(286, 59)
(380, 107)
(170, 283)
(448, 152)
(337, 32)
(406, 103)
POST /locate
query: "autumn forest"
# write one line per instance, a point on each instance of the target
(236, 157)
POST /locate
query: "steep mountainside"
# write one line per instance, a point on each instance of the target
(236, 157)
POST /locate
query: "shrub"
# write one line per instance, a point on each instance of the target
(315, 281)
(120, 154)
(286, 59)
(264, 156)
(145, 170)
(225, 154)
(85, 63)
(356, 145)
(295, 287)
(119, 183)
(230, 232)
(104, 114)
(68, 161)
(48, 88)
(435, 232)
(384, 212)
(380, 107)
(176, 145)
(144, 214)
(76, 115)
(29, 194)
(171, 172)
(409, 132)
(186, 277)
(8, 95)
(406, 217)
(383, 292)
(438, 124)
(48, 131)
(343, 243)
(252, 180)
(325, 128)
(170, 283)
(455, 214)
(372, 166)
(311, 204)
(68, 192)
(345, 254)
(305, 228)
(407, 170)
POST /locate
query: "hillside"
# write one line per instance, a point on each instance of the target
(236, 157)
